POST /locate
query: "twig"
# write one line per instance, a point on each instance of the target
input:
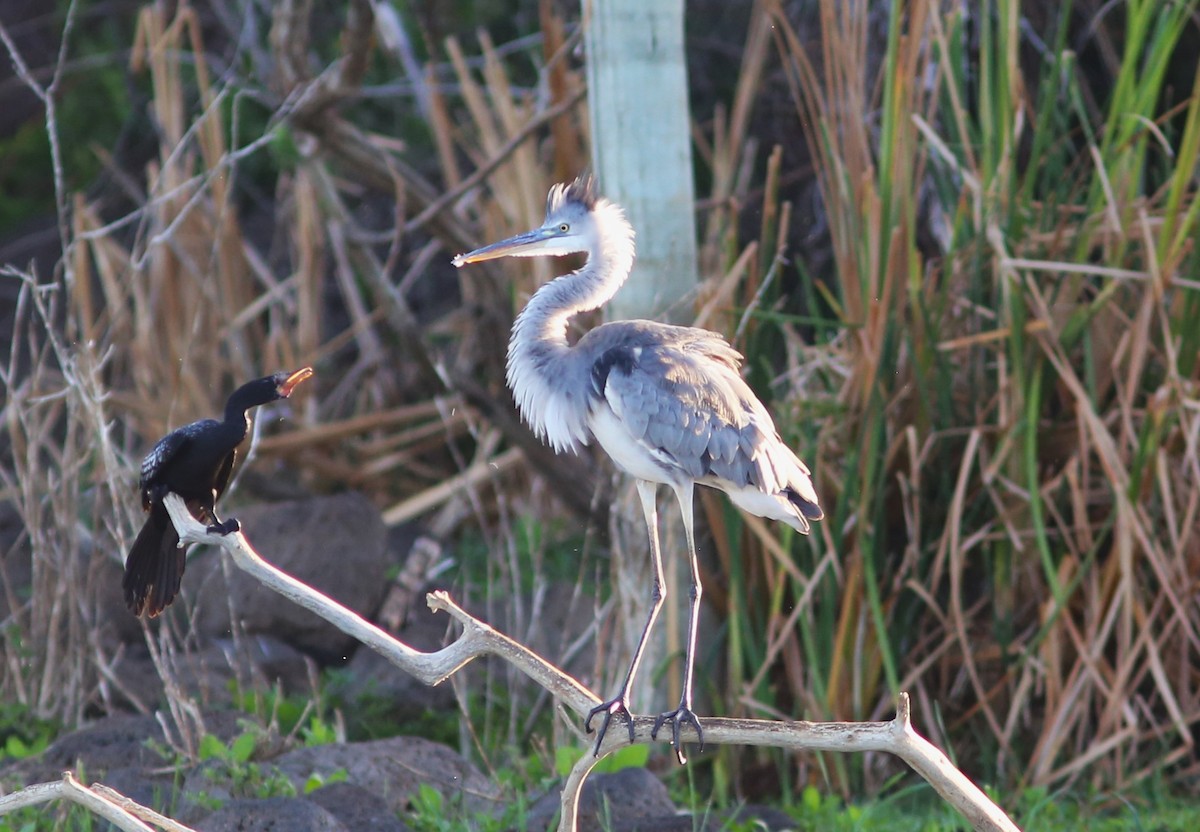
(478, 639)
(71, 789)
(438, 494)
(499, 157)
(47, 95)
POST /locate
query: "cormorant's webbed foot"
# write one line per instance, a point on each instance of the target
(613, 707)
(226, 527)
(679, 717)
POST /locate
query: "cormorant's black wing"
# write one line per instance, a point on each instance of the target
(224, 474)
(167, 449)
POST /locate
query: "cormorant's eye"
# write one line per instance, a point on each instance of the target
(564, 227)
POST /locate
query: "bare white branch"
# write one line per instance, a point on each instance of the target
(478, 639)
(71, 789)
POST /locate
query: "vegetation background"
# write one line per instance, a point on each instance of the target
(956, 243)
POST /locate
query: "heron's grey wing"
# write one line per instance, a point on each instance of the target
(683, 397)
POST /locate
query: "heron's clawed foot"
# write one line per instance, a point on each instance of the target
(678, 718)
(618, 706)
(228, 527)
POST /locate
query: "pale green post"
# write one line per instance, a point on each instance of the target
(641, 146)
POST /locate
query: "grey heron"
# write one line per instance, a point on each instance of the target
(666, 403)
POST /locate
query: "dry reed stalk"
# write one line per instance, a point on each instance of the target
(66, 473)
(1097, 539)
(519, 195)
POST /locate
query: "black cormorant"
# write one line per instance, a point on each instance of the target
(195, 462)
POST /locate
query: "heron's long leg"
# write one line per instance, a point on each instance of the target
(683, 714)
(619, 704)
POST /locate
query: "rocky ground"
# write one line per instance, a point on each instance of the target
(340, 545)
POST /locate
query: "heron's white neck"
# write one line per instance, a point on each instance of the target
(550, 392)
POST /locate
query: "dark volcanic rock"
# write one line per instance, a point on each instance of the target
(111, 743)
(390, 692)
(274, 814)
(114, 749)
(395, 769)
(357, 808)
(145, 786)
(627, 800)
(257, 662)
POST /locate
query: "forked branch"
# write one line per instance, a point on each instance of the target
(478, 639)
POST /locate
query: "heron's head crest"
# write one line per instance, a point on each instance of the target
(582, 191)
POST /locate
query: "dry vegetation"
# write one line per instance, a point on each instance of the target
(995, 375)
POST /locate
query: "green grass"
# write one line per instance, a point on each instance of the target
(915, 810)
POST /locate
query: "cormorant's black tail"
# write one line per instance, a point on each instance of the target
(154, 568)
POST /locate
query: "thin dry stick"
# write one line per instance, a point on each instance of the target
(71, 789)
(441, 203)
(478, 639)
(420, 503)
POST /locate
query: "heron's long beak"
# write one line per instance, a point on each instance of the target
(289, 384)
(529, 244)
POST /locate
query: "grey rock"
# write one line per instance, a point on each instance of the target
(336, 544)
(256, 662)
(629, 799)
(274, 814)
(141, 786)
(110, 743)
(395, 769)
(357, 808)
(626, 794)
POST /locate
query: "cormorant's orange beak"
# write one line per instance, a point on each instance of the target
(289, 383)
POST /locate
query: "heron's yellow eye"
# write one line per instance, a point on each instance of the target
(564, 228)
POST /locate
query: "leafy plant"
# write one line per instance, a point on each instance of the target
(23, 733)
(232, 768)
(631, 756)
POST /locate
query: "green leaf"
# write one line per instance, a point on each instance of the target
(565, 757)
(631, 756)
(16, 747)
(211, 748)
(428, 800)
(243, 747)
(319, 732)
(316, 780)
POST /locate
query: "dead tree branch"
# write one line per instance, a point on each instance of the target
(478, 639)
(896, 736)
(105, 802)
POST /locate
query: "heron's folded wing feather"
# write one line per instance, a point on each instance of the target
(685, 400)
